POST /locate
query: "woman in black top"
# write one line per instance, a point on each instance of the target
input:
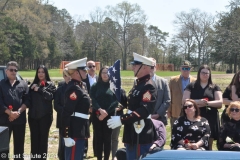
(208, 97)
(227, 99)
(58, 107)
(40, 113)
(235, 94)
(229, 139)
(190, 131)
(104, 103)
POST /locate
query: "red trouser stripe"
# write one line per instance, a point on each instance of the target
(138, 150)
(73, 150)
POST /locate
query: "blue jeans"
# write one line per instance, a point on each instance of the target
(131, 150)
(75, 151)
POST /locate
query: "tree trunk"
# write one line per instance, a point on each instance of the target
(235, 63)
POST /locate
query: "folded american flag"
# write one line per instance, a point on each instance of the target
(115, 79)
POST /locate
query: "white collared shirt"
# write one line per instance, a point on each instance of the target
(92, 80)
(154, 77)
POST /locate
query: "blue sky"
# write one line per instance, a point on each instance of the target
(160, 13)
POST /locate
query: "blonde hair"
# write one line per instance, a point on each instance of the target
(65, 72)
(232, 104)
(69, 72)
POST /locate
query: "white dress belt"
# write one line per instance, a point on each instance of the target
(81, 115)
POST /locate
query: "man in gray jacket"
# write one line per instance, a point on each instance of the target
(163, 96)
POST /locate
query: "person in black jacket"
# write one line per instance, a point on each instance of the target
(13, 102)
(75, 123)
(40, 115)
(229, 136)
(58, 106)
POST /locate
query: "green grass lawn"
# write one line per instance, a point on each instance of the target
(58, 73)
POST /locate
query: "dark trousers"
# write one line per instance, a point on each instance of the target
(102, 137)
(61, 146)
(18, 131)
(86, 142)
(39, 130)
(75, 152)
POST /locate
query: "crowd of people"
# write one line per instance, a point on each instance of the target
(84, 98)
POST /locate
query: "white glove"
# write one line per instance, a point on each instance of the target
(138, 129)
(114, 122)
(69, 142)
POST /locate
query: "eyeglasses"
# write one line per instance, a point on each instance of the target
(104, 72)
(91, 67)
(186, 69)
(204, 73)
(188, 106)
(11, 70)
(234, 109)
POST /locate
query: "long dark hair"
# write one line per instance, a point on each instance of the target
(236, 83)
(36, 79)
(232, 81)
(198, 81)
(100, 73)
(197, 112)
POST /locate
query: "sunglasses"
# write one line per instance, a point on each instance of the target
(91, 67)
(188, 106)
(13, 70)
(186, 69)
(234, 109)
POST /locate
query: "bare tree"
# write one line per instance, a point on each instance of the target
(125, 14)
(198, 24)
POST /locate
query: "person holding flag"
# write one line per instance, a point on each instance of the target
(104, 103)
(115, 86)
(139, 132)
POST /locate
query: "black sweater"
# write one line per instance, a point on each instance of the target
(103, 97)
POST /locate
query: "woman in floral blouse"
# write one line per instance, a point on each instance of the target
(229, 139)
(190, 131)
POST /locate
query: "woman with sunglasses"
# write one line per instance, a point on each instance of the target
(190, 131)
(208, 97)
(104, 104)
(229, 139)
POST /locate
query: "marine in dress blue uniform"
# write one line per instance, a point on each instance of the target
(139, 132)
(75, 123)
